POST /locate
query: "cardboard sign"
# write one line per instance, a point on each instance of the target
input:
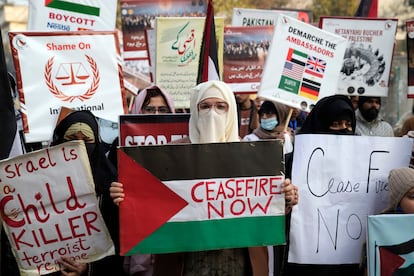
(148, 129)
(303, 64)
(69, 69)
(205, 196)
(342, 179)
(366, 65)
(257, 17)
(70, 15)
(49, 209)
(390, 244)
(245, 52)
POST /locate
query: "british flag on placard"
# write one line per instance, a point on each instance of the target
(315, 66)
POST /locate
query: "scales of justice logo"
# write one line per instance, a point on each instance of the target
(72, 80)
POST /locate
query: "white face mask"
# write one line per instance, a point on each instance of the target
(212, 126)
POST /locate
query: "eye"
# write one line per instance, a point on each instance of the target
(221, 106)
(204, 106)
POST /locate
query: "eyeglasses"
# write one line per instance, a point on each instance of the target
(154, 109)
(220, 107)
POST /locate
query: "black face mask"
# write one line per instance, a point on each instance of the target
(344, 131)
(369, 114)
(90, 148)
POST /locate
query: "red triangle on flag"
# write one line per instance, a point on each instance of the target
(389, 262)
(142, 213)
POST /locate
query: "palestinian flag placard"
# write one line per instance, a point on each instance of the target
(390, 244)
(195, 197)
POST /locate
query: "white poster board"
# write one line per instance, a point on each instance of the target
(367, 61)
(72, 15)
(70, 69)
(49, 209)
(342, 179)
(302, 65)
(257, 17)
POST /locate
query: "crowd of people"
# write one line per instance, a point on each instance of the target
(217, 115)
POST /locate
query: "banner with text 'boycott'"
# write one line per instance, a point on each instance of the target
(49, 209)
(72, 15)
(192, 197)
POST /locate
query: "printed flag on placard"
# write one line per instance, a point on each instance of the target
(300, 72)
(208, 68)
(205, 196)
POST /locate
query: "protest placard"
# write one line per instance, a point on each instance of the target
(258, 17)
(203, 197)
(390, 244)
(341, 179)
(245, 52)
(71, 69)
(302, 65)
(49, 209)
(70, 15)
(148, 129)
(366, 65)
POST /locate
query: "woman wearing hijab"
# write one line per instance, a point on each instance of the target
(82, 125)
(272, 117)
(152, 100)
(213, 119)
(331, 115)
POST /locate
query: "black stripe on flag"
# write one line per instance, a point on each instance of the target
(311, 82)
(297, 61)
(217, 160)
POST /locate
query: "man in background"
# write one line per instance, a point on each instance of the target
(368, 120)
(248, 116)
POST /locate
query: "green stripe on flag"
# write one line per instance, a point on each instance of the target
(73, 7)
(214, 234)
(299, 53)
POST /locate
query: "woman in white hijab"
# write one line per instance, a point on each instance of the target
(213, 120)
(213, 113)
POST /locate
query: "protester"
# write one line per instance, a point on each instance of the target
(247, 114)
(152, 100)
(296, 119)
(331, 115)
(354, 100)
(213, 119)
(369, 122)
(273, 118)
(82, 125)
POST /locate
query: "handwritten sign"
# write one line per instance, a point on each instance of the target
(366, 65)
(303, 63)
(66, 69)
(148, 129)
(49, 209)
(342, 180)
(230, 198)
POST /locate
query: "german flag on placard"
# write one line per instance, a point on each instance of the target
(309, 88)
(192, 197)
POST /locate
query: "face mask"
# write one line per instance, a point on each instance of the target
(344, 131)
(212, 126)
(268, 124)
